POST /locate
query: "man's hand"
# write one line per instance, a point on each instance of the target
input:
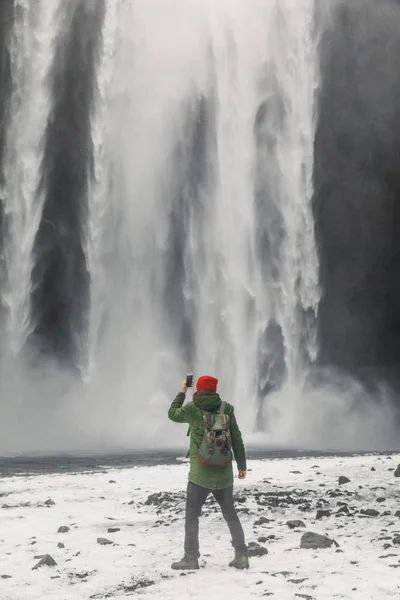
(184, 387)
(242, 474)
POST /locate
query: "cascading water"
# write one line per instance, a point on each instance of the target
(183, 284)
(32, 52)
(158, 186)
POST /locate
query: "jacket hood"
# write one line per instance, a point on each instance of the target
(207, 401)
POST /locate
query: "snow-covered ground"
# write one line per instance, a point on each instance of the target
(366, 566)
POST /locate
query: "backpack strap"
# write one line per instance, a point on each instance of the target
(222, 408)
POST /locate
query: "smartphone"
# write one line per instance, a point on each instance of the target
(189, 381)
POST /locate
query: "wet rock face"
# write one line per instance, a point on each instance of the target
(357, 214)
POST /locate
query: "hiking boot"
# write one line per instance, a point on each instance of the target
(188, 562)
(240, 561)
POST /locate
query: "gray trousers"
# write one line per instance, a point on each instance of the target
(196, 497)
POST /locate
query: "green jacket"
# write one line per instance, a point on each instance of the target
(209, 477)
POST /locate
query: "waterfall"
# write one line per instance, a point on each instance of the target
(157, 171)
(178, 280)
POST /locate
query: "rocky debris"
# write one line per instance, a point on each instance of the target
(298, 581)
(262, 539)
(370, 512)
(5, 576)
(167, 499)
(397, 513)
(315, 540)
(304, 596)
(388, 556)
(387, 546)
(45, 560)
(255, 549)
(112, 481)
(295, 472)
(49, 502)
(283, 499)
(322, 513)
(60, 545)
(113, 529)
(343, 480)
(373, 469)
(381, 499)
(295, 524)
(104, 541)
(63, 529)
(397, 472)
(136, 585)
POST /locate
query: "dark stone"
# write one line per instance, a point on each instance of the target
(262, 521)
(295, 524)
(322, 513)
(297, 580)
(113, 529)
(397, 513)
(397, 472)
(112, 481)
(262, 539)
(381, 499)
(6, 577)
(373, 469)
(386, 546)
(240, 499)
(49, 502)
(305, 596)
(396, 540)
(343, 479)
(104, 541)
(63, 529)
(255, 549)
(315, 540)
(60, 545)
(370, 512)
(45, 560)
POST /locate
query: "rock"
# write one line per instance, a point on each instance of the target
(305, 596)
(381, 499)
(262, 539)
(6, 576)
(315, 540)
(322, 513)
(60, 545)
(241, 499)
(296, 472)
(113, 529)
(373, 469)
(397, 472)
(49, 502)
(112, 481)
(103, 541)
(255, 549)
(262, 521)
(295, 524)
(46, 560)
(387, 546)
(397, 513)
(63, 529)
(370, 512)
(396, 540)
(343, 479)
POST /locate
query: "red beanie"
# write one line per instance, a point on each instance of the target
(206, 384)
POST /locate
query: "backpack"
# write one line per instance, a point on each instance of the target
(215, 448)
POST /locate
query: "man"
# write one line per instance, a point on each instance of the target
(204, 479)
